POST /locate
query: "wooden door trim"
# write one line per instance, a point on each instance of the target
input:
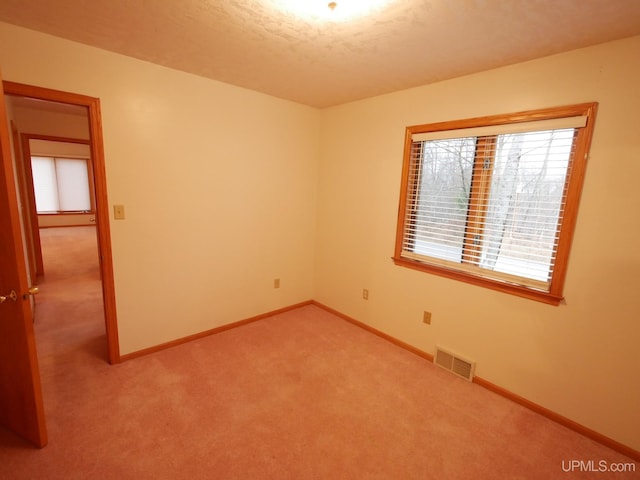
(102, 205)
(32, 240)
(33, 214)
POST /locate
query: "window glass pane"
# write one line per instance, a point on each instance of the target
(526, 192)
(44, 183)
(443, 195)
(73, 184)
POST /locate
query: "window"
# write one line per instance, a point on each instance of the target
(493, 201)
(61, 185)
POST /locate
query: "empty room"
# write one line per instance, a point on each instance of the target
(387, 239)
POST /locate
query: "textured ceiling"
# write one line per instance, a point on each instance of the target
(321, 61)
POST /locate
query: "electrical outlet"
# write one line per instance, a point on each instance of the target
(426, 317)
(365, 294)
(276, 283)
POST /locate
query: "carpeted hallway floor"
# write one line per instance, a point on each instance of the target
(300, 395)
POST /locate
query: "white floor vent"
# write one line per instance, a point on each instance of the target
(454, 363)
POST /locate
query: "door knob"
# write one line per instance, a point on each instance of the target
(31, 291)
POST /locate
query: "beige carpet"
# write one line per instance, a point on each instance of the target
(300, 395)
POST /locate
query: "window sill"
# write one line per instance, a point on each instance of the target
(79, 212)
(504, 287)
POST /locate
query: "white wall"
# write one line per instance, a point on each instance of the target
(55, 124)
(218, 182)
(67, 220)
(579, 359)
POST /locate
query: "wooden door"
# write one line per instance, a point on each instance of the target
(21, 405)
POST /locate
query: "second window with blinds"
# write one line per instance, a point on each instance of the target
(61, 185)
(493, 201)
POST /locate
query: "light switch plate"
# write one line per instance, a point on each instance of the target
(118, 212)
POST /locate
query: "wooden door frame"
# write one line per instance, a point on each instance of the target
(102, 206)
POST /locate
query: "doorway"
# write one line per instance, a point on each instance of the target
(82, 113)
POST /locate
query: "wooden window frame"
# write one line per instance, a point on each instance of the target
(573, 190)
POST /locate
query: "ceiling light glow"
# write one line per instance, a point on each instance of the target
(325, 10)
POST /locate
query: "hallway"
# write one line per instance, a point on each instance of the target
(69, 318)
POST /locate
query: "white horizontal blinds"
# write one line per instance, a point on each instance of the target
(60, 184)
(437, 202)
(526, 203)
(73, 184)
(44, 184)
(412, 224)
(491, 205)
